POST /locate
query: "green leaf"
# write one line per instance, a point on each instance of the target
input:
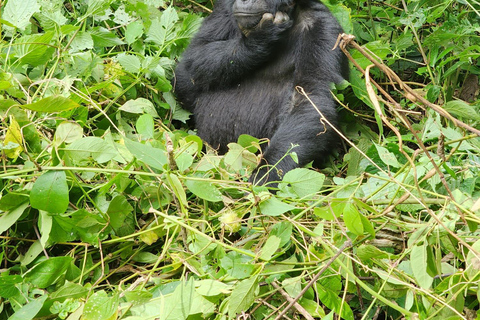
(69, 290)
(302, 182)
(387, 157)
(104, 38)
(19, 12)
(139, 106)
(418, 262)
(50, 192)
(211, 288)
(282, 230)
(67, 132)
(8, 285)
(82, 41)
(274, 207)
(243, 296)
(48, 271)
(151, 156)
(134, 31)
(100, 306)
(204, 190)
(461, 109)
(34, 49)
(351, 217)
(83, 150)
(118, 210)
(248, 142)
(129, 62)
(177, 188)
(30, 310)
(51, 104)
(270, 247)
(145, 126)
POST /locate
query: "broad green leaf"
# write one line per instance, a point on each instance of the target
(418, 261)
(249, 142)
(461, 109)
(19, 12)
(145, 126)
(387, 157)
(139, 106)
(274, 207)
(352, 219)
(13, 143)
(282, 230)
(204, 190)
(83, 150)
(101, 306)
(69, 290)
(302, 182)
(52, 104)
(8, 285)
(82, 41)
(151, 156)
(104, 38)
(118, 209)
(129, 62)
(30, 310)
(48, 271)
(473, 262)
(243, 296)
(67, 132)
(211, 288)
(50, 192)
(270, 247)
(34, 49)
(182, 301)
(134, 31)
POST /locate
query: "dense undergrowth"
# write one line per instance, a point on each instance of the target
(111, 208)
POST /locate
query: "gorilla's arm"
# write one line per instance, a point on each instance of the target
(317, 65)
(220, 54)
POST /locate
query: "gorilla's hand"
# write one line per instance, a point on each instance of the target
(270, 28)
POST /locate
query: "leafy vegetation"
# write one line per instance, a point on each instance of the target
(111, 208)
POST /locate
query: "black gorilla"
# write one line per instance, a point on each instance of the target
(239, 73)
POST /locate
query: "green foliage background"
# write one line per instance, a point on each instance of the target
(111, 208)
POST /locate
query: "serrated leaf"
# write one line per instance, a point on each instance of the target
(204, 190)
(129, 62)
(50, 192)
(19, 12)
(52, 104)
(151, 156)
(34, 49)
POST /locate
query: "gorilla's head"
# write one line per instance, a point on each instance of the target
(249, 13)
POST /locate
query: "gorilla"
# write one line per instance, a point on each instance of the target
(240, 72)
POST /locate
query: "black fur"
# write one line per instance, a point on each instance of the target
(242, 80)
